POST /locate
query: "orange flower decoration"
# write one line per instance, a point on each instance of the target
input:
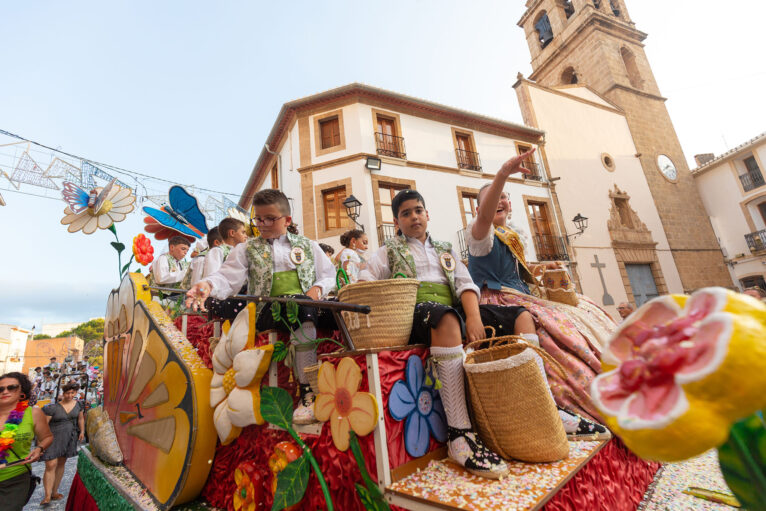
(143, 250)
(340, 402)
(249, 493)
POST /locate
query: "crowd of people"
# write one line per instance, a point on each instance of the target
(49, 380)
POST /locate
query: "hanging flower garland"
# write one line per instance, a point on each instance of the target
(8, 435)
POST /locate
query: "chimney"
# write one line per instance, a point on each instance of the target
(704, 158)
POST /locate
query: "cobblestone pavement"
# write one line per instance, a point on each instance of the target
(56, 505)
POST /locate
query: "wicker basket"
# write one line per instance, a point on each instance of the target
(513, 410)
(555, 285)
(390, 321)
(312, 372)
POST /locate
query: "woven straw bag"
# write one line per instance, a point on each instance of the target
(555, 285)
(392, 303)
(513, 410)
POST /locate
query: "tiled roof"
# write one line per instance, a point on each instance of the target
(731, 152)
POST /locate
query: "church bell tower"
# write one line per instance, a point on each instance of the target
(595, 43)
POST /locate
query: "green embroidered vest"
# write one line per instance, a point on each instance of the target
(400, 259)
(260, 267)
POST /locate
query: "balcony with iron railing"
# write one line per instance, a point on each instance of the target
(537, 171)
(390, 145)
(756, 241)
(385, 232)
(463, 244)
(468, 160)
(550, 247)
(751, 180)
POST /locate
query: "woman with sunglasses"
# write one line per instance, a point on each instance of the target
(67, 423)
(20, 423)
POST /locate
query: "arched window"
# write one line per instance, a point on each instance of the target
(597, 4)
(568, 8)
(615, 5)
(544, 30)
(569, 76)
(630, 66)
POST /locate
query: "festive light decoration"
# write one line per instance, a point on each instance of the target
(143, 252)
(117, 204)
(681, 370)
(8, 435)
(340, 402)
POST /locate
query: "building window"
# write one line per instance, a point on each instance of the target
(754, 281)
(568, 8)
(388, 139)
(752, 178)
(529, 163)
(328, 132)
(386, 191)
(548, 246)
(623, 210)
(275, 176)
(544, 30)
(642, 282)
(334, 212)
(629, 59)
(615, 5)
(569, 76)
(468, 203)
(465, 150)
(597, 4)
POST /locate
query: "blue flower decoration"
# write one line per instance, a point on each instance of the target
(421, 406)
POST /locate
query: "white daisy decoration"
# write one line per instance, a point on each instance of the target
(114, 208)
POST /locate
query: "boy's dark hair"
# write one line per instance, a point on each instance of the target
(403, 196)
(26, 385)
(213, 235)
(38, 368)
(326, 248)
(69, 386)
(353, 234)
(271, 196)
(178, 240)
(229, 224)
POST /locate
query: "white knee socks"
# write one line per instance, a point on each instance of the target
(306, 358)
(449, 364)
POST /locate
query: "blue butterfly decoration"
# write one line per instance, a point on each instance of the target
(183, 215)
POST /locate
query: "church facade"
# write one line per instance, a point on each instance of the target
(595, 43)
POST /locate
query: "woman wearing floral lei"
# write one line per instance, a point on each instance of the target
(20, 424)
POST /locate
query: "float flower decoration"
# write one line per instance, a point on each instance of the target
(420, 405)
(248, 496)
(340, 402)
(143, 252)
(239, 367)
(681, 371)
(8, 434)
(114, 208)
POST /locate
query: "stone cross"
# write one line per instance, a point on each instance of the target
(607, 298)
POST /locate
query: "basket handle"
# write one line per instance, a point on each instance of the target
(494, 341)
(338, 281)
(400, 275)
(517, 340)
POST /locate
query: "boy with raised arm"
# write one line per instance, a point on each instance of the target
(279, 262)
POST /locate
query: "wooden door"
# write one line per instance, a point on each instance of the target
(642, 282)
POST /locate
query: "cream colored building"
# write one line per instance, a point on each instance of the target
(623, 255)
(733, 191)
(321, 147)
(13, 342)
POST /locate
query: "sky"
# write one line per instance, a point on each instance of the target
(188, 91)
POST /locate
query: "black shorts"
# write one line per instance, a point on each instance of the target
(428, 315)
(321, 318)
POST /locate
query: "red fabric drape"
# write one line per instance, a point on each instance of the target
(79, 498)
(198, 332)
(615, 479)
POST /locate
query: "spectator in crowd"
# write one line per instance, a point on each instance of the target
(67, 423)
(625, 309)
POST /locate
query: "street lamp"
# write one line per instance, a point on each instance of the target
(353, 209)
(581, 222)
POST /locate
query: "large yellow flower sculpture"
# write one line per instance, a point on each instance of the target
(117, 204)
(340, 402)
(235, 390)
(681, 370)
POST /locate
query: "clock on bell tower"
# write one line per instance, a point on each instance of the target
(595, 43)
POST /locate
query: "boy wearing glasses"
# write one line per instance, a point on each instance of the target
(279, 262)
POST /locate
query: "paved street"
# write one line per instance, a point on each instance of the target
(38, 468)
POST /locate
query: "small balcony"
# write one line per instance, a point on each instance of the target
(752, 180)
(756, 241)
(537, 171)
(550, 248)
(385, 232)
(463, 244)
(390, 145)
(468, 160)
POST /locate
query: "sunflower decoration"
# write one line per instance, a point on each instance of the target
(340, 402)
(98, 209)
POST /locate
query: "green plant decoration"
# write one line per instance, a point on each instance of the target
(277, 409)
(369, 494)
(743, 461)
(283, 352)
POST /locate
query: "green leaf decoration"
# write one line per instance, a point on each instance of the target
(119, 247)
(292, 312)
(365, 497)
(124, 268)
(280, 351)
(372, 493)
(276, 311)
(277, 407)
(743, 462)
(113, 229)
(291, 484)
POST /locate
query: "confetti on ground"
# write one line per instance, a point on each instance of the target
(666, 492)
(527, 484)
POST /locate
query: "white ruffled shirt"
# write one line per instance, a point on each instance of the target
(230, 278)
(197, 269)
(427, 266)
(214, 260)
(162, 273)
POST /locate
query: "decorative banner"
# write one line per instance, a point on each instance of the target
(2, 201)
(89, 170)
(29, 172)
